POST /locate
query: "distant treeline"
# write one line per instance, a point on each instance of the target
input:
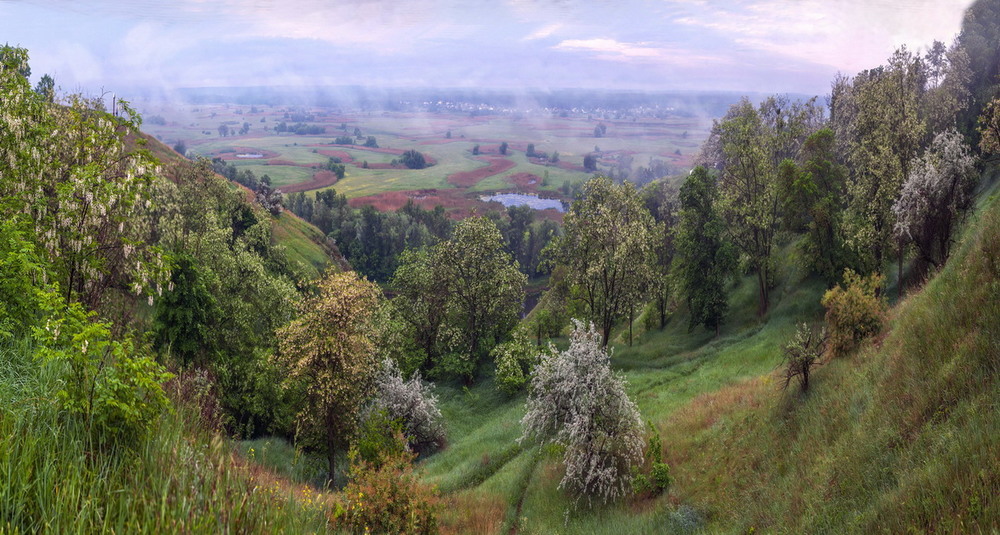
(372, 241)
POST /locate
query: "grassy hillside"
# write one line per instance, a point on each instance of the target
(902, 436)
(304, 245)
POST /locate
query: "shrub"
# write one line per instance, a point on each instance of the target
(114, 389)
(576, 401)
(803, 352)
(411, 404)
(514, 360)
(386, 499)
(379, 439)
(854, 311)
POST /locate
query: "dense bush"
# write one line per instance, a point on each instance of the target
(577, 402)
(514, 360)
(853, 311)
(108, 384)
(386, 499)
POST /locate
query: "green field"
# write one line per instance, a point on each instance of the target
(290, 157)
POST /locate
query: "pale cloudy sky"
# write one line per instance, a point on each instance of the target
(752, 45)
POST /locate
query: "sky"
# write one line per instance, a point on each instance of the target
(765, 46)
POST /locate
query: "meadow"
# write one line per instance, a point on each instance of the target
(457, 177)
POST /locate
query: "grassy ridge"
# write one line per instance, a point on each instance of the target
(902, 437)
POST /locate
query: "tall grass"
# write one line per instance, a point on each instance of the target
(180, 480)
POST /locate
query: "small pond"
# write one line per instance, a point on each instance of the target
(521, 199)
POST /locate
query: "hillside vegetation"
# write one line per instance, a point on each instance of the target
(801, 335)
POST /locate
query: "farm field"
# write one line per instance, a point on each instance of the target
(457, 177)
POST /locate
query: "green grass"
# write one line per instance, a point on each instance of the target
(304, 245)
(178, 480)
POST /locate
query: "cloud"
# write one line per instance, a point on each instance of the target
(849, 35)
(543, 32)
(642, 52)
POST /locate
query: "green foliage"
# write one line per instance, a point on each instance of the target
(606, 248)
(179, 478)
(379, 439)
(386, 498)
(183, 316)
(108, 384)
(329, 349)
(854, 311)
(460, 297)
(705, 260)
(801, 353)
(20, 271)
(413, 159)
(514, 361)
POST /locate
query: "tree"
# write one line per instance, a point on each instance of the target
(989, 128)
(935, 195)
(662, 201)
(223, 130)
(184, 315)
(413, 159)
(748, 198)
(704, 260)
(46, 88)
(590, 162)
(485, 286)
(576, 401)
(530, 152)
(180, 148)
(475, 149)
(813, 200)
(370, 142)
(801, 353)
(330, 348)
(606, 248)
(877, 122)
(503, 148)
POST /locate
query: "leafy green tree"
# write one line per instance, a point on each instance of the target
(748, 199)
(421, 300)
(486, 288)
(503, 148)
(590, 162)
(704, 260)
(330, 348)
(813, 201)
(989, 128)
(877, 121)
(661, 199)
(183, 317)
(530, 151)
(413, 159)
(475, 149)
(606, 249)
(370, 142)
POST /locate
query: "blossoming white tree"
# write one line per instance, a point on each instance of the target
(576, 401)
(936, 193)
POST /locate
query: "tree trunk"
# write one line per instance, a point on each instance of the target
(331, 450)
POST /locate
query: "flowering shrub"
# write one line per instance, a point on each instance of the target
(575, 401)
(853, 311)
(410, 403)
(386, 499)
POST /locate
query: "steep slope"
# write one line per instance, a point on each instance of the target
(903, 436)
